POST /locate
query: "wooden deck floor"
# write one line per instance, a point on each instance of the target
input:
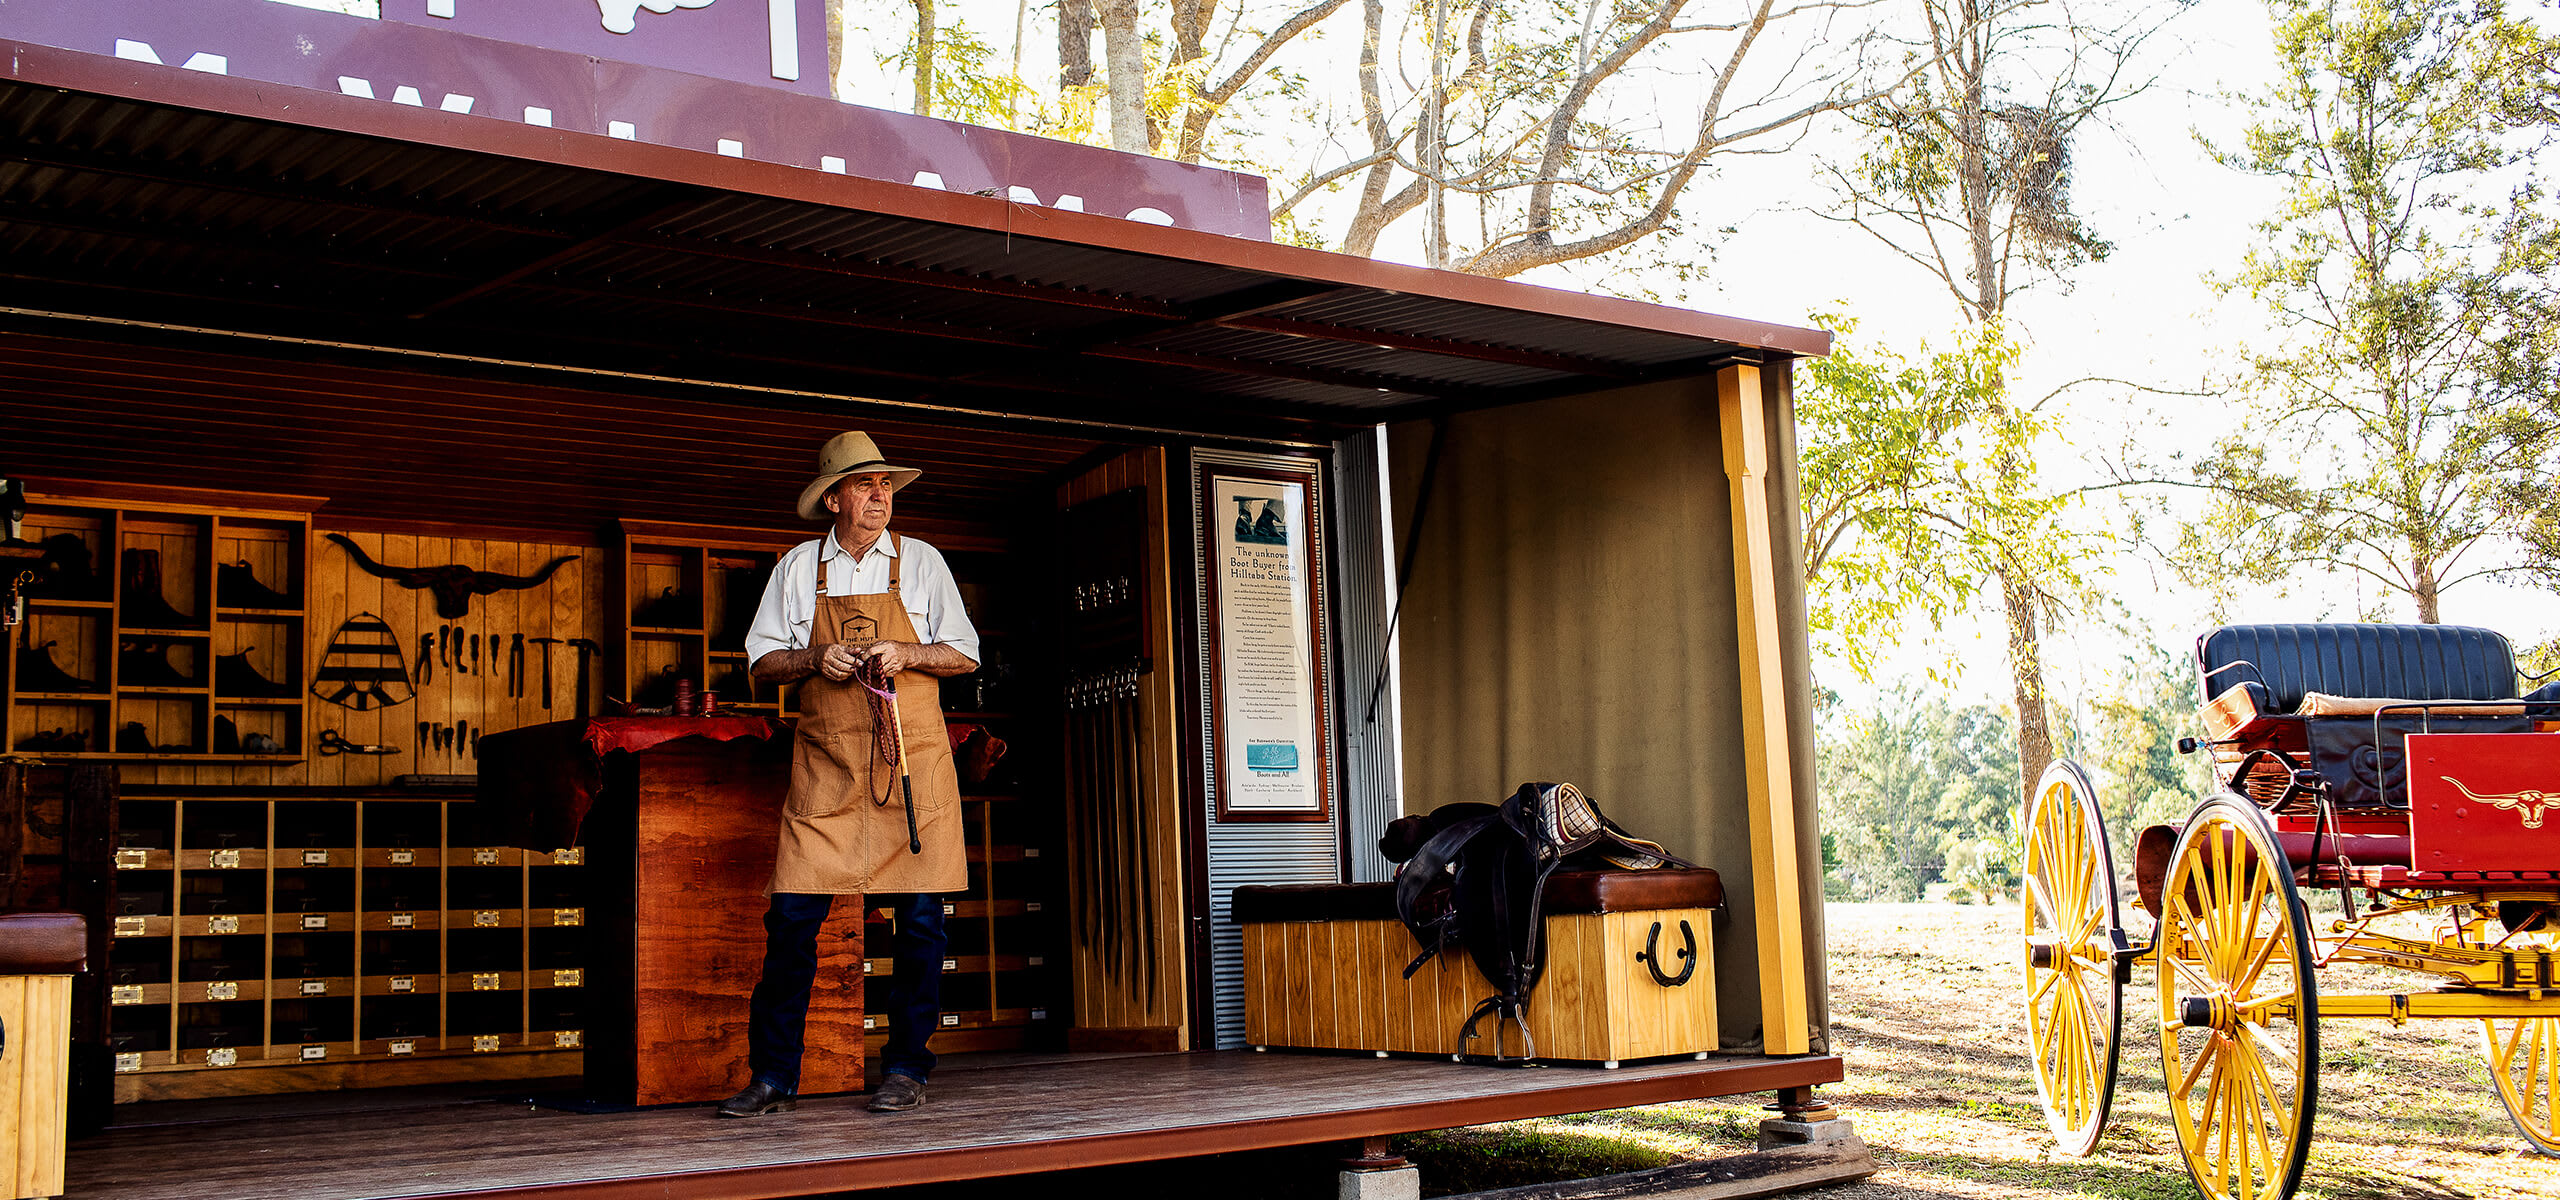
(1021, 1117)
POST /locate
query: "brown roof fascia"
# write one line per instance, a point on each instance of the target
(76, 71)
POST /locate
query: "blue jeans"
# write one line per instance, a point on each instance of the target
(778, 1013)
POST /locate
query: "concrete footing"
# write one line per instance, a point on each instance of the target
(1392, 1183)
(1778, 1132)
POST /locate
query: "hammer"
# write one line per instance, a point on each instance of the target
(546, 643)
(586, 647)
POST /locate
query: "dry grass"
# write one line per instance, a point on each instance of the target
(1925, 1009)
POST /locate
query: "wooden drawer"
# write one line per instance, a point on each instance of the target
(1336, 985)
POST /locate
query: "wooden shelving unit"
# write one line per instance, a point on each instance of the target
(685, 597)
(261, 930)
(164, 645)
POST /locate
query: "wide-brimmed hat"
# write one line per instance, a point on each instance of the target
(848, 454)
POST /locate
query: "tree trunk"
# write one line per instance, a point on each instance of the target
(1075, 43)
(2425, 591)
(1124, 57)
(2026, 678)
(924, 57)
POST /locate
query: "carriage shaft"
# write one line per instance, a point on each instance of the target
(2398, 1007)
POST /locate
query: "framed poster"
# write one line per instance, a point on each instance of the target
(1262, 559)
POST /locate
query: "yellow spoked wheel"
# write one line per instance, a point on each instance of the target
(2075, 994)
(2239, 1013)
(2524, 1062)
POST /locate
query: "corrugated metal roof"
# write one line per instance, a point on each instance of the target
(154, 210)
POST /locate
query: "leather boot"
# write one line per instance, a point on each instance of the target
(134, 739)
(671, 609)
(233, 676)
(237, 587)
(758, 1099)
(37, 673)
(145, 605)
(146, 664)
(226, 736)
(66, 572)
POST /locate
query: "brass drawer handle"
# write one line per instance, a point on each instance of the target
(1651, 955)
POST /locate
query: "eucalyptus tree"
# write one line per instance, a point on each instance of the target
(1966, 174)
(1519, 135)
(2406, 431)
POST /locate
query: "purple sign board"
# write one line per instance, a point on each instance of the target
(772, 43)
(742, 78)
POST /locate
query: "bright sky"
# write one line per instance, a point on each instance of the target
(2147, 314)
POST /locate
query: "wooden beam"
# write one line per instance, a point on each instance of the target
(1767, 768)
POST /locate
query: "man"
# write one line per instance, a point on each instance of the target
(840, 614)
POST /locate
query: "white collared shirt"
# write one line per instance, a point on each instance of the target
(925, 584)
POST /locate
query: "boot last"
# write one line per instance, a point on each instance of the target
(134, 739)
(145, 605)
(238, 587)
(146, 664)
(233, 676)
(226, 736)
(66, 572)
(37, 672)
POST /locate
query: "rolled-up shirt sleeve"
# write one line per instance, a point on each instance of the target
(944, 619)
(781, 624)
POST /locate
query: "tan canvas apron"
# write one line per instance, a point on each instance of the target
(844, 827)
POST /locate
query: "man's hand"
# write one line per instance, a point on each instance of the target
(931, 658)
(838, 662)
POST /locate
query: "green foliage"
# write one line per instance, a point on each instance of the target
(2406, 431)
(1919, 486)
(1911, 785)
(2127, 739)
(967, 85)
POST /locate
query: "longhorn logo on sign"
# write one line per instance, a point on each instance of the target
(2532, 803)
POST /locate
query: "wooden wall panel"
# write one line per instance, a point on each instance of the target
(568, 606)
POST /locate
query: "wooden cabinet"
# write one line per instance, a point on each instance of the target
(173, 630)
(304, 928)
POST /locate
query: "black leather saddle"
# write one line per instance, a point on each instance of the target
(1474, 877)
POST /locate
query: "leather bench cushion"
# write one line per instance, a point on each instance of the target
(1568, 892)
(43, 943)
(2410, 662)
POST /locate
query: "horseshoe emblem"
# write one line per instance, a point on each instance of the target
(1651, 955)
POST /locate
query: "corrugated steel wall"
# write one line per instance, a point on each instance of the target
(1363, 598)
(1254, 852)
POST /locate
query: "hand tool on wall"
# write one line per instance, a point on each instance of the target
(426, 658)
(331, 742)
(546, 643)
(475, 743)
(426, 737)
(475, 654)
(461, 737)
(586, 648)
(444, 646)
(515, 667)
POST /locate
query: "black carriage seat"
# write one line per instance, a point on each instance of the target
(2344, 683)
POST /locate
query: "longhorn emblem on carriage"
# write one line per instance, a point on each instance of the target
(2532, 803)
